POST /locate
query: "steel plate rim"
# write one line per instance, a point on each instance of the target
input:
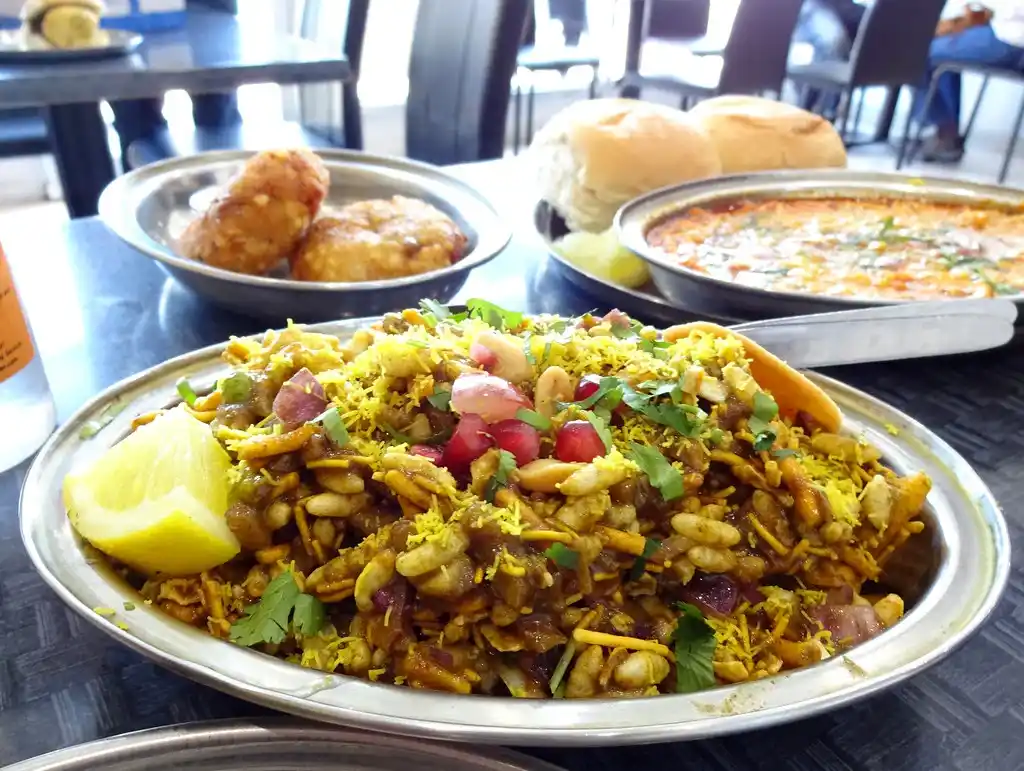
(117, 214)
(583, 735)
(631, 227)
(212, 735)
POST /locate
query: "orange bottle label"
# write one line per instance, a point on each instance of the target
(16, 349)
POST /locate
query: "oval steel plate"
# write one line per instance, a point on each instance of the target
(709, 295)
(965, 565)
(272, 744)
(149, 208)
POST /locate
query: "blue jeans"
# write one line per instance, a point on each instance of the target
(977, 45)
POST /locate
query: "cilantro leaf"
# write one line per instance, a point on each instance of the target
(434, 311)
(493, 315)
(506, 465)
(528, 351)
(785, 452)
(694, 642)
(267, 620)
(605, 387)
(333, 425)
(662, 474)
(562, 556)
(651, 545)
(533, 418)
(186, 392)
(309, 615)
(441, 399)
(765, 410)
(236, 389)
(601, 427)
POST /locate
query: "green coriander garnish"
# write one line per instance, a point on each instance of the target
(651, 545)
(533, 418)
(694, 643)
(333, 425)
(562, 556)
(494, 315)
(759, 423)
(186, 392)
(236, 389)
(441, 398)
(281, 607)
(506, 465)
(662, 474)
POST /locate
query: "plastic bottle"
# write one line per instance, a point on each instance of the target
(27, 412)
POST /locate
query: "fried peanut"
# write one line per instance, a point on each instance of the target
(712, 560)
(641, 669)
(544, 475)
(708, 532)
(264, 446)
(432, 554)
(889, 609)
(553, 385)
(277, 515)
(377, 573)
(592, 478)
(448, 582)
(336, 505)
(511, 363)
(731, 671)
(876, 501)
(339, 480)
(582, 682)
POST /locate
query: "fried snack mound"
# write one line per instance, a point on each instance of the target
(379, 239)
(263, 216)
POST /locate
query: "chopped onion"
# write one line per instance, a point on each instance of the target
(300, 399)
(434, 454)
(849, 624)
(714, 594)
(490, 397)
(483, 355)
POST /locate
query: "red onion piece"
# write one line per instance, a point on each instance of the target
(587, 387)
(483, 355)
(840, 595)
(394, 596)
(751, 593)
(434, 454)
(300, 399)
(492, 398)
(714, 594)
(578, 442)
(519, 438)
(617, 318)
(470, 440)
(849, 624)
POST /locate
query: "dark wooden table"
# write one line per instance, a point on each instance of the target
(102, 312)
(209, 54)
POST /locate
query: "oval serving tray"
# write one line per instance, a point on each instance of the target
(150, 207)
(954, 578)
(272, 744)
(709, 295)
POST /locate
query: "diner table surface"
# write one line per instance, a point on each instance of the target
(102, 312)
(212, 52)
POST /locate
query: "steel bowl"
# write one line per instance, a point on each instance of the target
(149, 208)
(272, 744)
(714, 296)
(952, 578)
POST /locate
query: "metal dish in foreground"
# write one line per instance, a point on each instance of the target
(272, 744)
(952, 580)
(646, 303)
(707, 295)
(150, 207)
(16, 49)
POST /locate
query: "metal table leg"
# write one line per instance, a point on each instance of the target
(79, 139)
(634, 41)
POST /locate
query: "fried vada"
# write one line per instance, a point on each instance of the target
(379, 239)
(264, 214)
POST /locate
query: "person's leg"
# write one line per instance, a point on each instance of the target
(136, 119)
(821, 27)
(215, 111)
(977, 45)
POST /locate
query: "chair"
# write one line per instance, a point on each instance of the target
(560, 59)
(753, 59)
(460, 78)
(891, 50)
(906, 153)
(23, 132)
(167, 144)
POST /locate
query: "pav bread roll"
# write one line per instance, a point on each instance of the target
(755, 134)
(596, 155)
(64, 24)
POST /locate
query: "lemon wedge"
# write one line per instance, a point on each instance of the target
(603, 255)
(156, 500)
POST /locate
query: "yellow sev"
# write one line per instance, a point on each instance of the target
(588, 637)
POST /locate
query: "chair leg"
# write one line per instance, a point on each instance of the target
(860, 107)
(1013, 143)
(977, 107)
(912, 150)
(593, 83)
(844, 109)
(906, 151)
(529, 112)
(517, 110)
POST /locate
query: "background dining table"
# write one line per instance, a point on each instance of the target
(208, 54)
(102, 311)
